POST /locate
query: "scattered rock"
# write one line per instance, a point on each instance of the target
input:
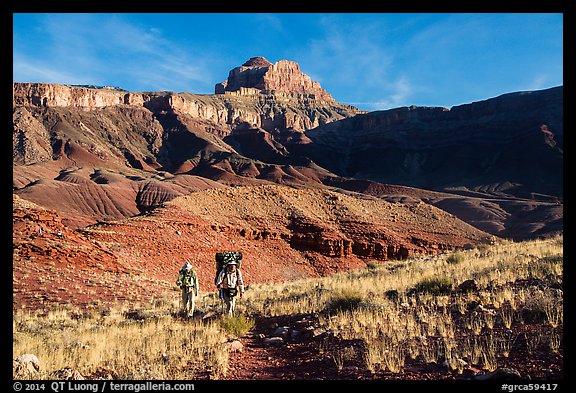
(295, 335)
(281, 331)
(468, 286)
(481, 309)
(308, 332)
(235, 346)
(25, 366)
(303, 323)
(460, 363)
(67, 374)
(470, 372)
(274, 341)
(500, 374)
(103, 373)
(140, 315)
(208, 315)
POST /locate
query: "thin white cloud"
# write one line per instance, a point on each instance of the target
(538, 82)
(269, 21)
(107, 49)
(350, 52)
(400, 93)
(357, 59)
(28, 70)
(397, 96)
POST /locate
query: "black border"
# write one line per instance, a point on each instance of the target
(545, 6)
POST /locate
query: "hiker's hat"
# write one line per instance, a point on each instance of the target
(187, 266)
(231, 263)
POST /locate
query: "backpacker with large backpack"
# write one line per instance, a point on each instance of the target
(223, 258)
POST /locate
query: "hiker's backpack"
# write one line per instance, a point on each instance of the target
(182, 272)
(222, 259)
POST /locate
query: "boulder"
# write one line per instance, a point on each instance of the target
(295, 335)
(235, 346)
(281, 331)
(500, 374)
(25, 366)
(468, 286)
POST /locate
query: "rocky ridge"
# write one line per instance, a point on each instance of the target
(508, 145)
(121, 153)
(66, 135)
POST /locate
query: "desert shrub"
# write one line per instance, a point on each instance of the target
(435, 286)
(372, 265)
(236, 325)
(346, 300)
(543, 306)
(547, 267)
(534, 310)
(455, 258)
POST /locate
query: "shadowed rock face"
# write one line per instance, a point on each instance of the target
(509, 145)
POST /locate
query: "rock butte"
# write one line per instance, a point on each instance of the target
(261, 75)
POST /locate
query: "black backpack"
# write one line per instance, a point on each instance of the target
(223, 258)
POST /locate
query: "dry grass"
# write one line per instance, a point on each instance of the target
(419, 321)
(435, 323)
(145, 343)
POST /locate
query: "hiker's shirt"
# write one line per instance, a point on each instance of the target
(189, 281)
(231, 280)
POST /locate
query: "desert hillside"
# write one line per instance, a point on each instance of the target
(284, 234)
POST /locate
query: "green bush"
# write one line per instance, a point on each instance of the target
(455, 258)
(435, 286)
(346, 300)
(236, 325)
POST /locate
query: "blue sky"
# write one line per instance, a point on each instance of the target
(372, 61)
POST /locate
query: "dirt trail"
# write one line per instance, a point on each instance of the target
(304, 357)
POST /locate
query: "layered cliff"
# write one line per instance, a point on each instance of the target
(283, 76)
(271, 110)
(109, 153)
(508, 145)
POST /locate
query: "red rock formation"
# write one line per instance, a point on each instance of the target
(283, 76)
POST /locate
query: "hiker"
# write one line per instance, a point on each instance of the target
(188, 281)
(230, 282)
